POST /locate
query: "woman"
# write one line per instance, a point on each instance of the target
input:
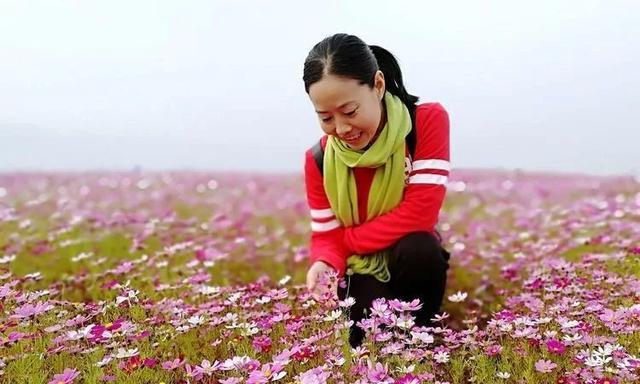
(373, 203)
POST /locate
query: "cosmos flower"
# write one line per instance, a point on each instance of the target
(66, 377)
(458, 297)
(545, 366)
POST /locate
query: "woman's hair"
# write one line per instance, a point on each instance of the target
(348, 56)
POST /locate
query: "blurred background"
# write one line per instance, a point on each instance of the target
(217, 85)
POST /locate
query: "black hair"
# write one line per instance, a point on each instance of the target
(348, 56)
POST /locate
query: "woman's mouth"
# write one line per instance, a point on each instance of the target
(353, 139)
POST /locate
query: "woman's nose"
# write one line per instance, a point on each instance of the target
(342, 129)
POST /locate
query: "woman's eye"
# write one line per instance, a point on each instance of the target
(326, 120)
(351, 113)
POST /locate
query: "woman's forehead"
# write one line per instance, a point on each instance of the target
(332, 93)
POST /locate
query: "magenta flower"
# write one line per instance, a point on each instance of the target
(408, 379)
(262, 343)
(66, 377)
(545, 366)
(606, 380)
(555, 346)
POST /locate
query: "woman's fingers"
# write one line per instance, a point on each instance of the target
(311, 280)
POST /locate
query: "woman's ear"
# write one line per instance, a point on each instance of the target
(379, 84)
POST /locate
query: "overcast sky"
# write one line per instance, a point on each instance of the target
(217, 85)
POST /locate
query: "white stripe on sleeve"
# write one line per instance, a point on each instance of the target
(428, 178)
(321, 213)
(326, 226)
(431, 164)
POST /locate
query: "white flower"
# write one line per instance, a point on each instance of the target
(125, 353)
(82, 256)
(503, 375)
(284, 280)
(130, 296)
(196, 320)
(7, 259)
(234, 296)
(596, 360)
(237, 362)
(440, 317)
(441, 357)
(230, 318)
(106, 360)
(347, 302)
(607, 349)
(571, 338)
(35, 276)
(248, 329)
(403, 369)
(208, 290)
(404, 322)
(308, 303)
(569, 324)
(422, 337)
(333, 315)
(207, 368)
(458, 297)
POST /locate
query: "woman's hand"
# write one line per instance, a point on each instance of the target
(314, 283)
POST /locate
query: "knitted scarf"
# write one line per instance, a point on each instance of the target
(387, 155)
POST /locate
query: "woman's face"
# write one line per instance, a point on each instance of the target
(348, 110)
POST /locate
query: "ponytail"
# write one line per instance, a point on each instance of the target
(388, 64)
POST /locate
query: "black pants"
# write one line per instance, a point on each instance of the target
(418, 267)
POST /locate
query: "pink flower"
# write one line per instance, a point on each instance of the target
(66, 377)
(545, 366)
(29, 310)
(378, 373)
(231, 380)
(172, 364)
(493, 350)
(567, 380)
(606, 380)
(555, 346)
(268, 372)
(317, 375)
(400, 306)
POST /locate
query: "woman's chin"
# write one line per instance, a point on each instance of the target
(357, 145)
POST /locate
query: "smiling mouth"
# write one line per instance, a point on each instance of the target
(354, 138)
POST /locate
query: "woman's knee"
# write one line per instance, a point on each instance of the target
(420, 250)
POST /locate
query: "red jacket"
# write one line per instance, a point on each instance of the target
(425, 187)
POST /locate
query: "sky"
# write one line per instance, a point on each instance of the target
(217, 85)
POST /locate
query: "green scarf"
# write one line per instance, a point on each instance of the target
(387, 155)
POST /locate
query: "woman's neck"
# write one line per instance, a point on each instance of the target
(383, 121)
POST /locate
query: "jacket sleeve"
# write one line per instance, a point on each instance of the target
(423, 195)
(326, 232)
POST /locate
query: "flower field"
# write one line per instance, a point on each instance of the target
(194, 277)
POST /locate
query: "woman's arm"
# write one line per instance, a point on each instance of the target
(423, 196)
(326, 232)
